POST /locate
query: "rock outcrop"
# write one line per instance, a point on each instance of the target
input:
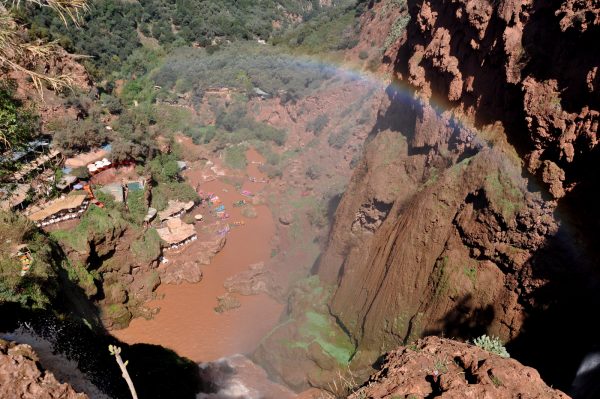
(254, 281)
(442, 368)
(188, 272)
(21, 376)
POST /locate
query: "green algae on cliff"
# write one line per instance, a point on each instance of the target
(322, 330)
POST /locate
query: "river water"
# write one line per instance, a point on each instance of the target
(187, 322)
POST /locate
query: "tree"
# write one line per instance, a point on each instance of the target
(17, 124)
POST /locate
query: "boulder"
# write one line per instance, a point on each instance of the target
(189, 272)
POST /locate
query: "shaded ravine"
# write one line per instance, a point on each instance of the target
(187, 322)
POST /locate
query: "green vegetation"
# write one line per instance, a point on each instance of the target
(147, 247)
(110, 31)
(76, 136)
(496, 381)
(235, 156)
(136, 206)
(491, 344)
(316, 326)
(318, 124)
(80, 275)
(441, 277)
(440, 365)
(241, 66)
(337, 140)
(39, 286)
(174, 190)
(397, 29)
(333, 29)
(471, 273)
(313, 172)
(95, 222)
(18, 124)
(503, 194)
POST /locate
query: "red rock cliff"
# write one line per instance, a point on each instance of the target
(472, 210)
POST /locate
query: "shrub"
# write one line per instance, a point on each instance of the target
(338, 140)
(363, 55)
(397, 30)
(166, 191)
(491, 344)
(313, 172)
(80, 135)
(137, 206)
(40, 285)
(112, 104)
(318, 124)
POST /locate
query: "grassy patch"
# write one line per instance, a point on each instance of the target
(471, 273)
(335, 29)
(39, 285)
(147, 247)
(321, 329)
(235, 157)
(314, 326)
(81, 276)
(397, 30)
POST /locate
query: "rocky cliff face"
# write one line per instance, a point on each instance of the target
(472, 209)
(21, 376)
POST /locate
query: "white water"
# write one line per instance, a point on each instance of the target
(64, 369)
(237, 377)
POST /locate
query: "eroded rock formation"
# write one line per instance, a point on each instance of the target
(442, 368)
(472, 208)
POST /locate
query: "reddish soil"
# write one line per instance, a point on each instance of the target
(187, 322)
(115, 175)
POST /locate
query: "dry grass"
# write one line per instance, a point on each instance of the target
(19, 54)
(343, 385)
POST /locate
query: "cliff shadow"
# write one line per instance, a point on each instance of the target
(562, 325)
(465, 320)
(157, 372)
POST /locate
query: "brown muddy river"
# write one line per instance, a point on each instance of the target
(187, 322)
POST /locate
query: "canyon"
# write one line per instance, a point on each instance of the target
(459, 202)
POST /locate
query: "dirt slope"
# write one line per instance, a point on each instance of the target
(472, 208)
